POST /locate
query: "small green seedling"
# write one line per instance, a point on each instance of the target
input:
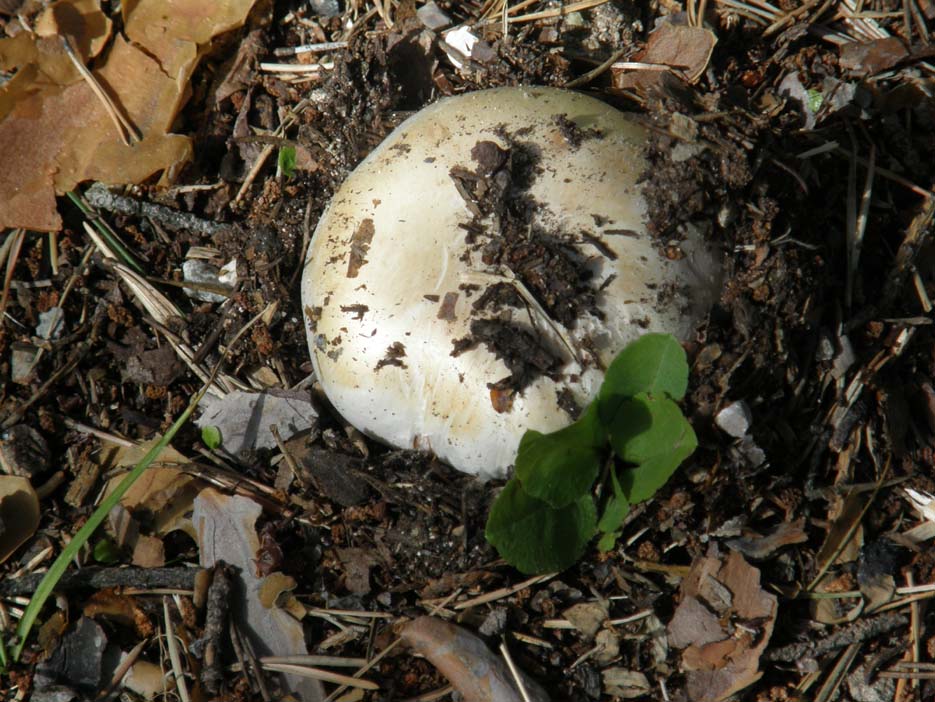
(106, 551)
(814, 100)
(211, 436)
(629, 441)
(286, 162)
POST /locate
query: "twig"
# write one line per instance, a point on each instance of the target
(215, 626)
(309, 660)
(836, 676)
(377, 658)
(306, 238)
(297, 68)
(882, 172)
(319, 674)
(98, 195)
(517, 678)
(861, 223)
(309, 48)
(254, 664)
(861, 630)
(98, 578)
(851, 218)
(72, 363)
(173, 645)
(122, 669)
(287, 456)
(595, 72)
(503, 592)
(438, 694)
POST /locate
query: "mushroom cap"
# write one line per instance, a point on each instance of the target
(402, 258)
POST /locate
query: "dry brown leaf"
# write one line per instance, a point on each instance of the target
(274, 589)
(43, 57)
(57, 137)
(54, 133)
(157, 23)
(719, 657)
(694, 623)
(225, 528)
(19, 513)
(357, 563)
(149, 552)
(685, 49)
(714, 655)
(865, 58)
(163, 492)
(147, 680)
(119, 608)
(756, 547)
(51, 632)
(149, 98)
(80, 20)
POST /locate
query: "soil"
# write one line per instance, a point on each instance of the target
(547, 264)
(833, 358)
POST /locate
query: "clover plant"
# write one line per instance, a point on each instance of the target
(628, 442)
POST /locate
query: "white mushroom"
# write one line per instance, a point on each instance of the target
(475, 274)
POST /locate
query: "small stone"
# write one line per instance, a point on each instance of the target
(843, 360)
(587, 617)
(432, 16)
(754, 455)
(735, 419)
(196, 270)
(494, 623)
(22, 363)
(608, 644)
(77, 661)
(50, 323)
(325, 8)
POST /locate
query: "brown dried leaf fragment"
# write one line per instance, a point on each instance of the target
(122, 609)
(866, 58)
(225, 529)
(56, 137)
(758, 547)
(685, 49)
(80, 20)
(164, 493)
(19, 513)
(41, 53)
(723, 622)
(55, 133)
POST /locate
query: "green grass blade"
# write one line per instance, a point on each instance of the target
(112, 241)
(60, 565)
